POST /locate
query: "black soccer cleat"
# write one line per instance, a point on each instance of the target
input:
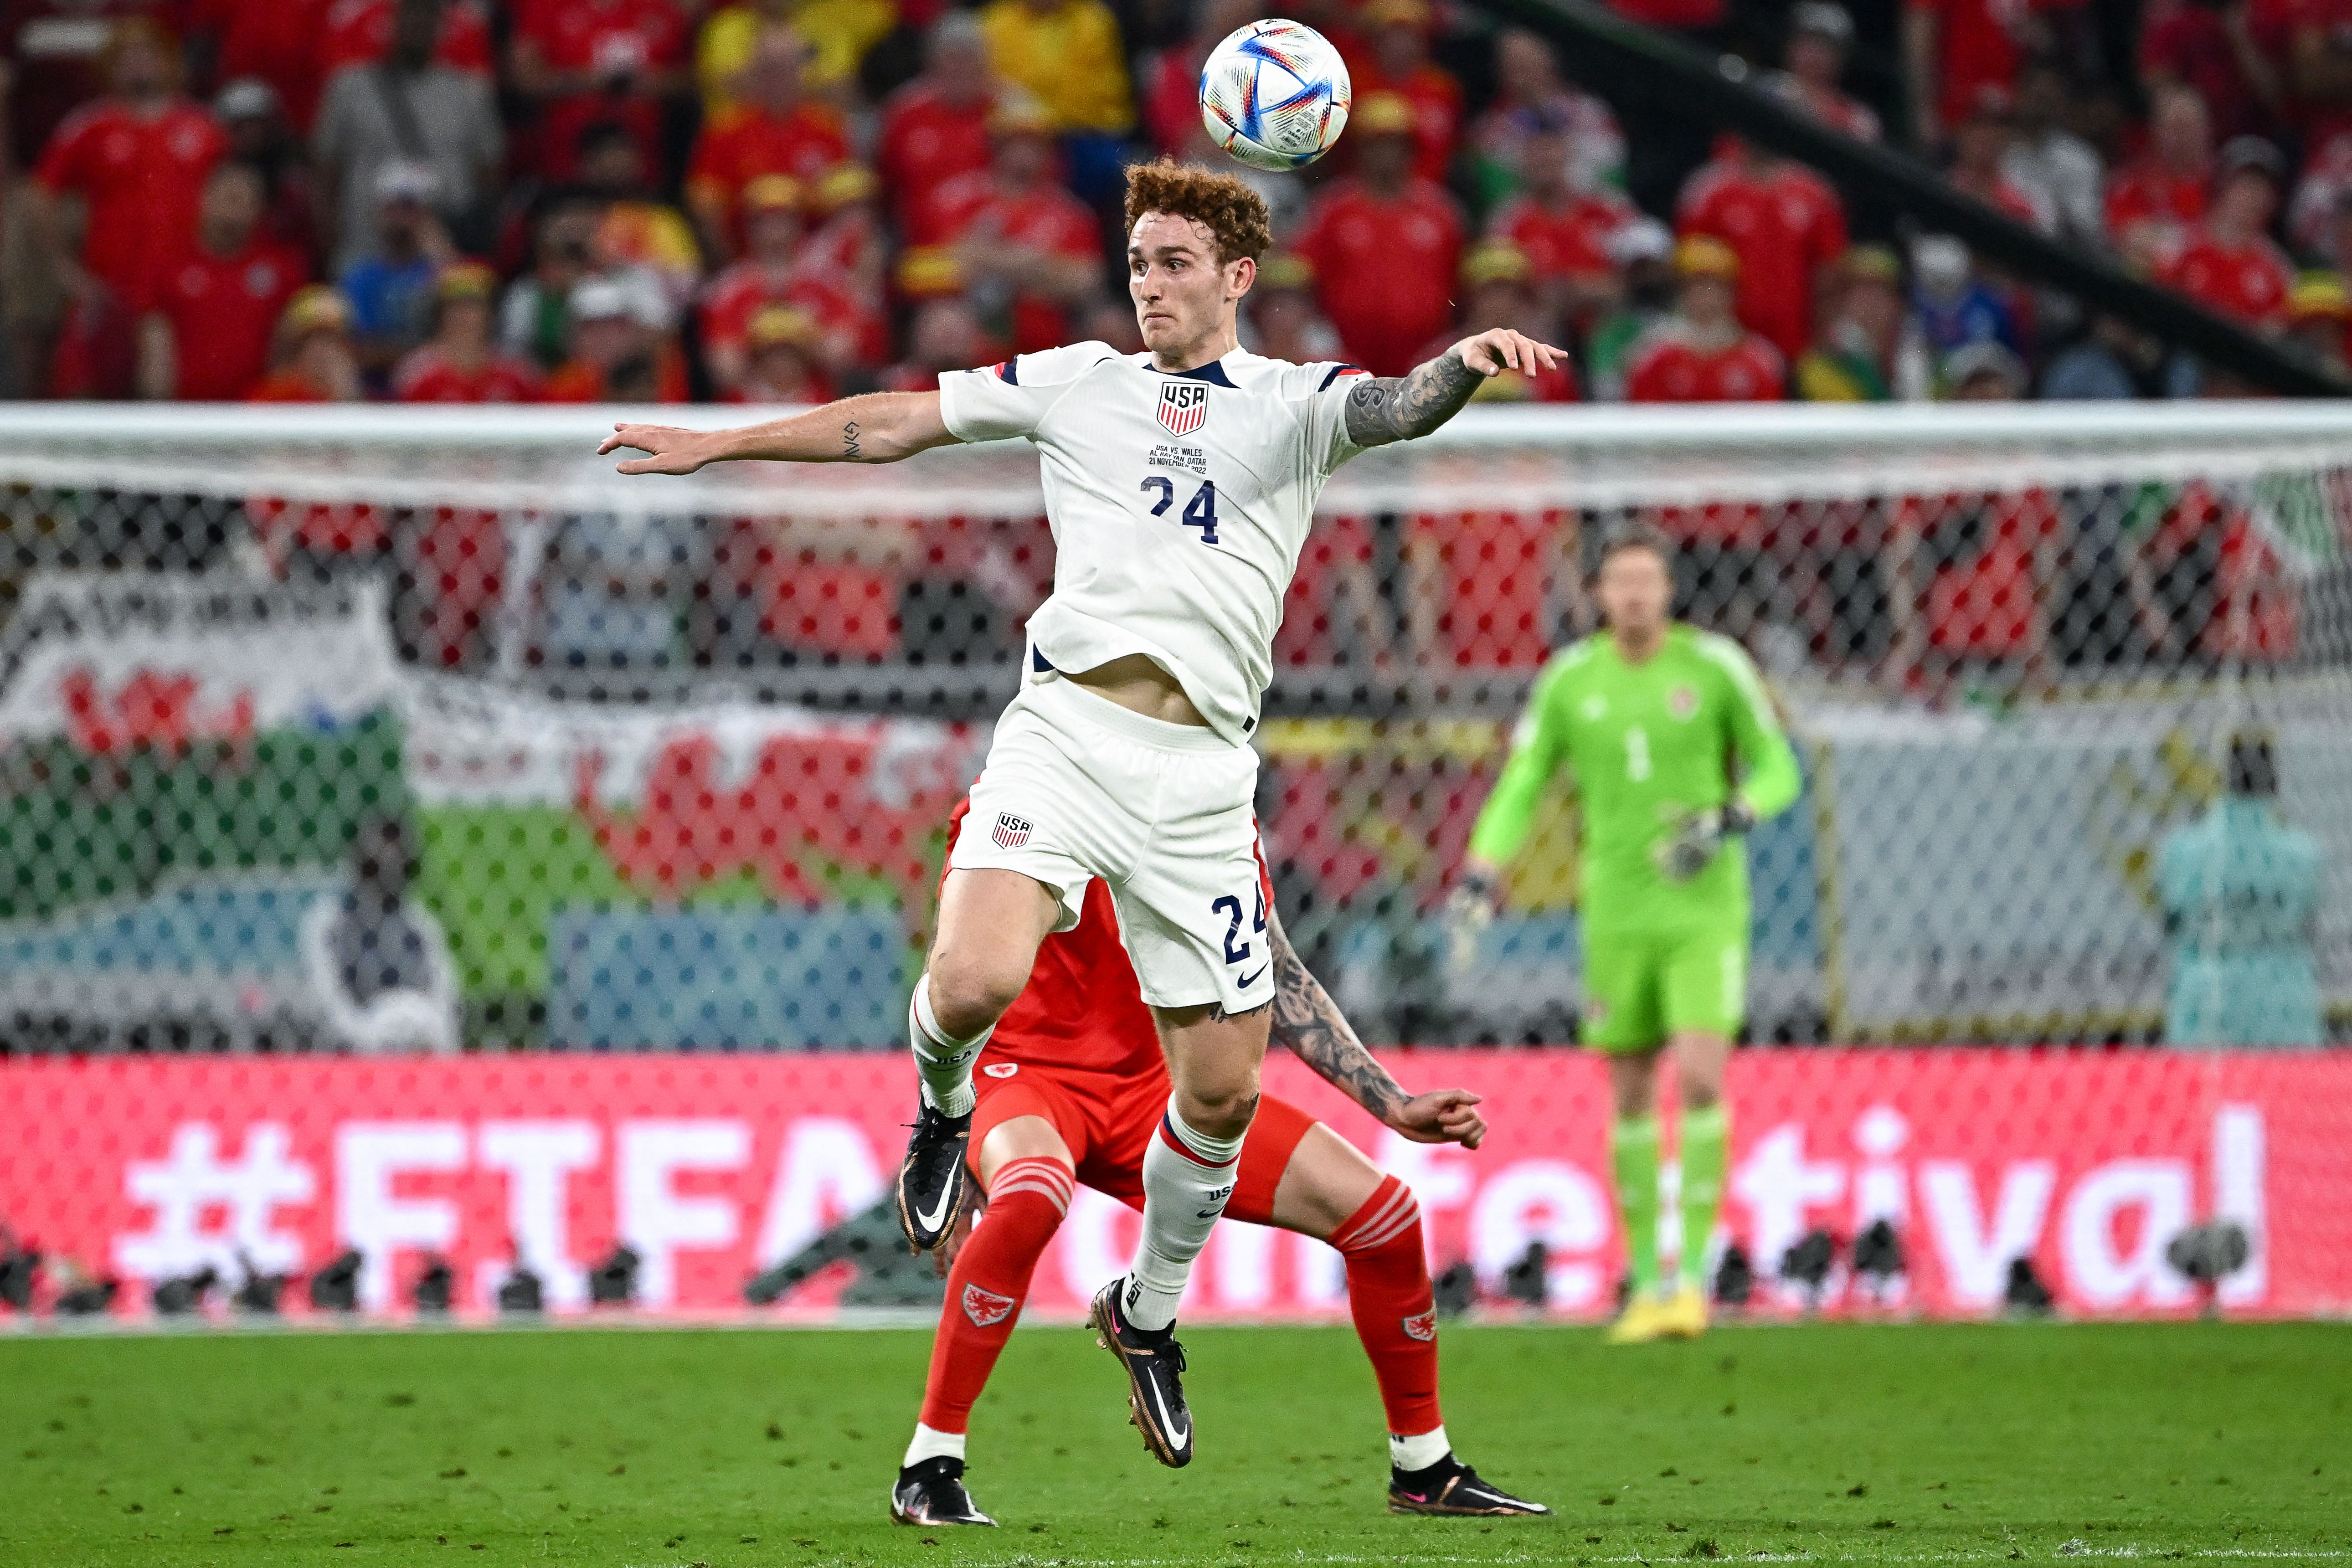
(932, 1493)
(1451, 1486)
(932, 1176)
(1154, 1364)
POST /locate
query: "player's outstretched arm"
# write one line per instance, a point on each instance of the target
(1308, 1025)
(1399, 407)
(877, 428)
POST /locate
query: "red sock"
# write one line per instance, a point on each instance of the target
(1396, 1314)
(988, 1284)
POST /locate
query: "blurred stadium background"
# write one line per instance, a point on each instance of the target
(656, 773)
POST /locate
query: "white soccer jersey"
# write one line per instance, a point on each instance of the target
(1178, 504)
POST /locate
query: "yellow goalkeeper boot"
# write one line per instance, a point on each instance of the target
(1643, 1321)
(1683, 1315)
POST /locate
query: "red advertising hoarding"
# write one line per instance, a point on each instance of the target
(711, 1167)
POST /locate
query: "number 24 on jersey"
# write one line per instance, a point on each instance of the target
(1200, 512)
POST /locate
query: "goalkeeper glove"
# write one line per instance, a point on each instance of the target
(1469, 910)
(1698, 836)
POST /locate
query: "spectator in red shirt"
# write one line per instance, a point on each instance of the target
(1972, 576)
(617, 354)
(582, 61)
(636, 229)
(360, 31)
(945, 335)
(773, 128)
(1953, 51)
(206, 330)
(257, 135)
(1785, 225)
(1701, 353)
(2231, 264)
(1531, 100)
(1031, 252)
(461, 362)
(1398, 62)
(1820, 36)
(315, 365)
(137, 158)
(783, 344)
(1979, 146)
(2157, 200)
(281, 43)
(1498, 285)
(1385, 244)
(1170, 85)
(2230, 52)
(254, 125)
(316, 362)
(848, 244)
(936, 127)
(1563, 229)
(766, 276)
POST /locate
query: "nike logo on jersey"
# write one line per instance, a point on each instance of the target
(1252, 979)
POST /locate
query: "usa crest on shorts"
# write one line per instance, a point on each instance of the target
(1184, 406)
(1011, 832)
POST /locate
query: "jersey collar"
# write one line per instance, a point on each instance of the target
(1213, 373)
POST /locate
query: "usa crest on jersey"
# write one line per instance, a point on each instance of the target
(1184, 406)
(1011, 832)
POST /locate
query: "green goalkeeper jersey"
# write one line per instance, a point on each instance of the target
(1645, 744)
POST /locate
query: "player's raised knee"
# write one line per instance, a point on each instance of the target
(1218, 1100)
(971, 986)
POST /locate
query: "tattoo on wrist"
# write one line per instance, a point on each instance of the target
(1397, 409)
(849, 447)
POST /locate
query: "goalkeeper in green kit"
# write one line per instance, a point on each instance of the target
(1674, 752)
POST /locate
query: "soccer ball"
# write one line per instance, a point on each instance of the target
(1274, 95)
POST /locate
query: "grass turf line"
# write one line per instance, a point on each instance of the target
(1827, 1444)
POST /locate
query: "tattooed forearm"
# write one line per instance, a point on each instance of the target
(1308, 1025)
(1397, 409)
(849, 448)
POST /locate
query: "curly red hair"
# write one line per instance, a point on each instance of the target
(1234, 214)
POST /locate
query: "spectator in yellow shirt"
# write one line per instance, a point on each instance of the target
(1067, 54)
(838, 33)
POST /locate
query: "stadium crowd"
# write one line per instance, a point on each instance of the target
(778, 200)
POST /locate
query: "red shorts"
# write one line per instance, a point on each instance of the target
(1106, 1120)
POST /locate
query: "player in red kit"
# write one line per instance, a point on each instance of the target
(1072, 1088)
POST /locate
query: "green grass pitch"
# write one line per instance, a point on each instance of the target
(1827, 1444)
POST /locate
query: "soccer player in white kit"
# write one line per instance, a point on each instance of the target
(1180, 484)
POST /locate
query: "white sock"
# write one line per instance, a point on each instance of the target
(1183, 1193)
(930, 1444)
(943, 1063)
(1414, 1453)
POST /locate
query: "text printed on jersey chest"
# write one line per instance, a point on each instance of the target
(1192, 460)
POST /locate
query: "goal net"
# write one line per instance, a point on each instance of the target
(664, 763)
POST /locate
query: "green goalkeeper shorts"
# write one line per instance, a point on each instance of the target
(1640, 988)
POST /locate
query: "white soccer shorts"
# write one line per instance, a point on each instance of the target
(1077, 787)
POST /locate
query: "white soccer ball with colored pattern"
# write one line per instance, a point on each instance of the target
(1274, 95)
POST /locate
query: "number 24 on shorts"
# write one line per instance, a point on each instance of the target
(1230, 907)
(1200, 512)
